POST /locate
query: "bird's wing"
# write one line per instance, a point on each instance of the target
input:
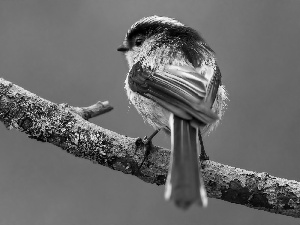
(180, 89)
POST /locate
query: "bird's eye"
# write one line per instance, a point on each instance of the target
(138, 42)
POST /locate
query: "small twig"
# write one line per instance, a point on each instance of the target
(89, 112)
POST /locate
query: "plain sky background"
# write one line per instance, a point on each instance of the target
(65, 51)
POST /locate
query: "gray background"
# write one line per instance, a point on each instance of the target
(65, 51)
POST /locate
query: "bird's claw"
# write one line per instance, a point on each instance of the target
(203, 156)
(146, 140)
(147, 144)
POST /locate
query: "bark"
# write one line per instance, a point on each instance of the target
(65, 126)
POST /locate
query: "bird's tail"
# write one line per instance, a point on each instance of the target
(184, 183)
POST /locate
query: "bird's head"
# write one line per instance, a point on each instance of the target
(161, 38)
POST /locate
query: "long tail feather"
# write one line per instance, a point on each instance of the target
(184, 183)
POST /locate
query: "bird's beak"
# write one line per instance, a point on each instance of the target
(123, 48)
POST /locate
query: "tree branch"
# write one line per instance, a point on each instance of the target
(64, 126)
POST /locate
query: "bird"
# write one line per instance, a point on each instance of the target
(174, 82)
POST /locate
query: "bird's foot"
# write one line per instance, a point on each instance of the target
(203, 155)
(147, 149)
(147, 144)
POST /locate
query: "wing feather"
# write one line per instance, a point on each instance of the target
(180, 89)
